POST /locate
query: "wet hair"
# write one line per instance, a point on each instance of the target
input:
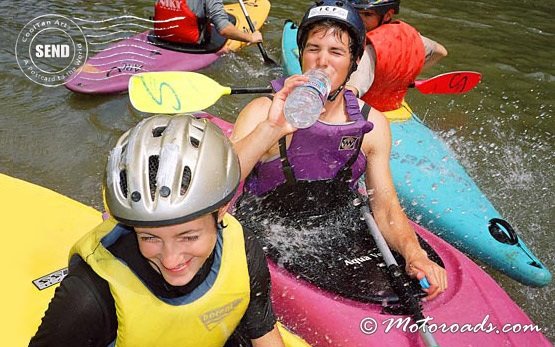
(219, 225)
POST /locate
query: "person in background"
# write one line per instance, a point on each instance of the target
(188, 22)
(394, 55)
(170, 267)
(298, 176)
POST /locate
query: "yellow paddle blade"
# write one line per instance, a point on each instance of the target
(174, 91)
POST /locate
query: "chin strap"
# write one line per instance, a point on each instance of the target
(333, 95)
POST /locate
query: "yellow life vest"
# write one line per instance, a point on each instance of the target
(146, 320)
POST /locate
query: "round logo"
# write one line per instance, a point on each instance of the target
(50, 50)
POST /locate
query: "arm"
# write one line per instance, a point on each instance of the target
(259, 322)
(216, 12)
(434, 52)
(81, 313)
(387, 210)
(361, 80)
(232, 33)
(260, 125)
(271, 339)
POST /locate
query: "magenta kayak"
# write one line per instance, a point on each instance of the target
(109, 71)
(474, 310)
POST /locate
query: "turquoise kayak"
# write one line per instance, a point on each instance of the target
(436, 191)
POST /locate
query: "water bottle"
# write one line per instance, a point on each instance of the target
(304, 105)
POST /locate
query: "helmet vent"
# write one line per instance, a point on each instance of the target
(153, 162)
(123, 182)
(185, 180)
(194, 142)
(157, 132)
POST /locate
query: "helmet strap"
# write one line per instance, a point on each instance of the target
(333, 95)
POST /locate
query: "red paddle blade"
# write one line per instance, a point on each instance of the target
(456, 82)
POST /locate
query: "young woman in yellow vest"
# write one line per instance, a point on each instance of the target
(395, 54)
(170, 267)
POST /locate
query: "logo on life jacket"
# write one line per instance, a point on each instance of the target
(171, 4)
(50, 279)
(348, 143)
(213, 317)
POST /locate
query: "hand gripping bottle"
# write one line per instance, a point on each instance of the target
(304, 105)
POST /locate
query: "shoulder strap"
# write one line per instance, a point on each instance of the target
(345, 173)
(365, 111)
(285, 165)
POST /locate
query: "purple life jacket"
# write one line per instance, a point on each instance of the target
(320, 152)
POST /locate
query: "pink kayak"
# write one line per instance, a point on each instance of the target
(109, 71)
(342, 298)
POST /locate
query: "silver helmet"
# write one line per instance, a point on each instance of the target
(170, 170)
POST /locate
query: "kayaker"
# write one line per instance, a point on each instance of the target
(299, 178)
(188, 22)
(173, 268)
(394, 55)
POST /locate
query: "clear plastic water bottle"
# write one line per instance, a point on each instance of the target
(304, 105)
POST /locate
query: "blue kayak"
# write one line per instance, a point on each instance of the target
(435, 190)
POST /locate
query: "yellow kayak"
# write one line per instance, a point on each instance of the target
(41, 226)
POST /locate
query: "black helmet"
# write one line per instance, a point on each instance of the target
(341, 12)
(380, 6)
(345, 15)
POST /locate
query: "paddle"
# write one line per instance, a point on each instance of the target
(177, 92)
(456, 82)
(184, 91)
(267, 59)
(396, 276)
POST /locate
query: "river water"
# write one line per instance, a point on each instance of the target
(502, 132)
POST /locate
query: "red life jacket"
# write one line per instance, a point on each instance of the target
(399, 59)
(185, 30)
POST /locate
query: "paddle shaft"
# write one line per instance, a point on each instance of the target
(187, 91)
(251, 90)
(417, 84)
(396, 276)
(267, 59)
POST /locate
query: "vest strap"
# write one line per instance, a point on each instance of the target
(365, 111)
(285, 165)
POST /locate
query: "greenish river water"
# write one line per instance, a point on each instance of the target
(502, 132)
